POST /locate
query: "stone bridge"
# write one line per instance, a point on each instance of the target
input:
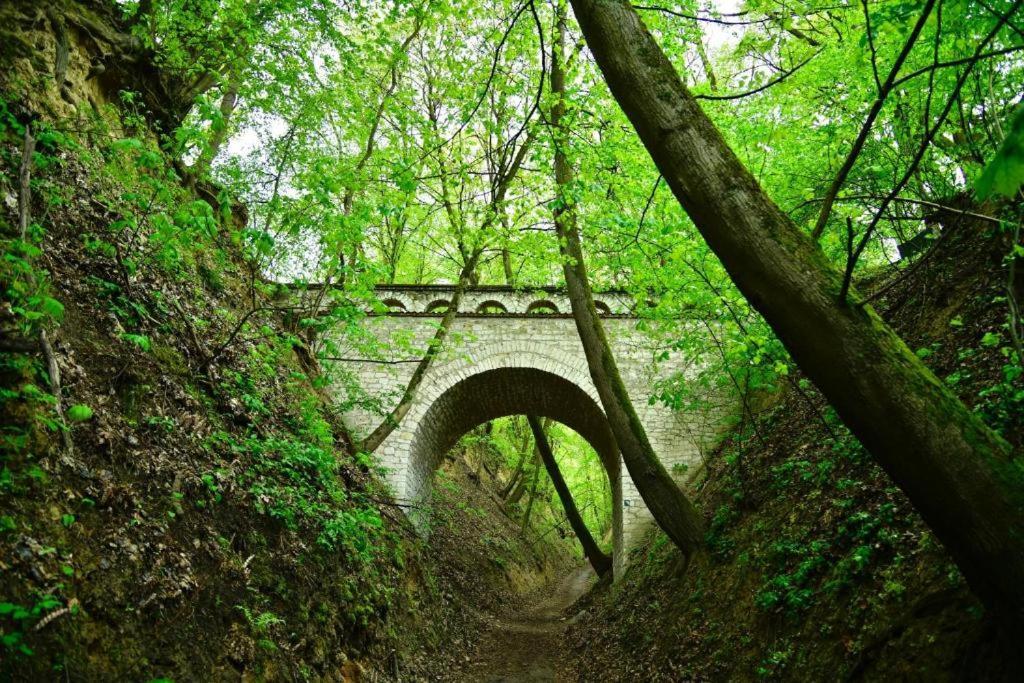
(509, 352)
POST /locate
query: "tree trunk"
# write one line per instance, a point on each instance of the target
(514, 479)
(601, 562)
(956, 471)
(228, 102)
(394, 418)
(673, 511)
(533, 496)
(520, 489)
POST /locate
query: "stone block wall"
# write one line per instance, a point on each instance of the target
(494, 365)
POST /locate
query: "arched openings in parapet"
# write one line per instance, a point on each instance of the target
(491, 307)
(501, 392)
(542, 307)
(437, 306)
(394, 305)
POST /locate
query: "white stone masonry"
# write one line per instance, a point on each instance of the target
(509, 352)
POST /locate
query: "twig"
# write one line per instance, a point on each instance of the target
(647, 207)
(907, 200)
(775, 81)
(957, 62)
(339, 359)
(929, 135)
(871, 45)
(865, 129)
(697, 17)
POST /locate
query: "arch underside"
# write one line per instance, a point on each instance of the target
(501, 392)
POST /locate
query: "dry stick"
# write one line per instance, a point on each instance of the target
(876, 108)
(24, 202)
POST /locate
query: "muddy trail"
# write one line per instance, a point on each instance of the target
(528, 645)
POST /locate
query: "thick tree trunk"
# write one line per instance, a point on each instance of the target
(956, 471)
(598, 560)
(672, 510)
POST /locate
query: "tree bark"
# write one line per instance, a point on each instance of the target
(599, 561)
(672, 510)
(520, 488)
(957, 472)
(514, 478)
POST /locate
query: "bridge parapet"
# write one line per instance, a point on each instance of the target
(433, 300)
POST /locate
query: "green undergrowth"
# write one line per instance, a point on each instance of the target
(818, 567)
(206, 499)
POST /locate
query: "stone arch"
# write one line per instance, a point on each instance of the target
(437, 306)
(491, 306)
(395, 305)
(602, 307)
(508, 381)
(542, 306)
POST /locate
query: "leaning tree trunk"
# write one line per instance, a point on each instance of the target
(958, 473)
(598, 560)
(672, 510)
(394, 418)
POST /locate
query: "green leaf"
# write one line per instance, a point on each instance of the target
(1004, 174)
(140, 340)
(51, 307)
(990, 339)
(79, 413)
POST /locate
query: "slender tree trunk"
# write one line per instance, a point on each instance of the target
(705, 62)
(394, 418)
(957, 472)
(601, 562)
(520, 489)
(533, 496)
(673, 511)
(517, 472)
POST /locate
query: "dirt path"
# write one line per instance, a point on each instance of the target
(526, 647)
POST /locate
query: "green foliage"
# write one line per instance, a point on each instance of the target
(297, 483)
(79, 413)
(16, 620)
(139, 340)
(1004, 174)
